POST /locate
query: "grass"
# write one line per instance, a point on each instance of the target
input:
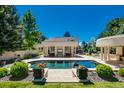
(62, 85)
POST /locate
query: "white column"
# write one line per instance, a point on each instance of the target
(72, 51)
(75, 50)
(43, 51)
(46, 51)
(101, 53)
(55, 51)
(50, 50)
(105, 55)
(63, 51)
(108, 53)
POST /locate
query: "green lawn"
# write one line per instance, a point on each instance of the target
(61, 85)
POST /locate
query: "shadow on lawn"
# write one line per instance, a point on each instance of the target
(114, 78)
(40, 83)
(111, 79)
(17, 79)
(87, 82)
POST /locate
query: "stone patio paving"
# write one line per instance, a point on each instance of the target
(61, 75)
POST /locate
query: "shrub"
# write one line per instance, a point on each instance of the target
(104, 71)
(3, 72)
(19, 69)
(27, 56)
(121, 72)
(30, 56)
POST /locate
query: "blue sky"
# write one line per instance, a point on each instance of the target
(85, 22)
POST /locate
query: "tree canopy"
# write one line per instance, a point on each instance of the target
(16, 33)
(31, 34)
(114, 27)
(67, 34)
(89, 47)
(10, 31)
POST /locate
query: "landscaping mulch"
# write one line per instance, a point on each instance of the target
(92, 76)
(28, 78)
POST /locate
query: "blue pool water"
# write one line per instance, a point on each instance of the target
(66, 64)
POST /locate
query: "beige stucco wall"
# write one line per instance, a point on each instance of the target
(119, 50)
(116, 41)
(10, 54)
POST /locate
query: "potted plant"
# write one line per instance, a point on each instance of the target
(39, 71)
(82, 72)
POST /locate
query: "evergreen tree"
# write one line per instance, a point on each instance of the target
(10, 35)
(84, 46)
(67, 34)
(31, 34)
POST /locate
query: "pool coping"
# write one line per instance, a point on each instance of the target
(82, 58)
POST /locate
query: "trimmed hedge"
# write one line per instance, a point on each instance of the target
(19, 69)
(121, 72)
(3, 72)
(30, 56)
(104, 71)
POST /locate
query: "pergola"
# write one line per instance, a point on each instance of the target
(106, 43)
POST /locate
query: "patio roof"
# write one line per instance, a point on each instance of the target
(111, 41)
(62, 39)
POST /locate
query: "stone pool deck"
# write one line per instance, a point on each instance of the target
(61, 75)
(98, 60)
(81, 57)
(66, 75)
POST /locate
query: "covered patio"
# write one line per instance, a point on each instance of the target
(59, 47)
(107, 43)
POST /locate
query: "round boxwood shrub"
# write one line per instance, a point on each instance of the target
(104, 71)
(19, 69)
(3, 72)
(121, 72)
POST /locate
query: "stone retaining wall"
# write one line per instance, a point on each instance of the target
(10, 55)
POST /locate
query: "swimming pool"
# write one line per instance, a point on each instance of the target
(66, 64)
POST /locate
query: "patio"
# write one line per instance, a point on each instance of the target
(107, 43)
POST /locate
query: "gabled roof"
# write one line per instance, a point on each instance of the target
(63, 39)
(60, 41)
